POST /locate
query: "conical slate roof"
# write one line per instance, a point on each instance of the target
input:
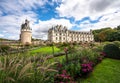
(25, 25)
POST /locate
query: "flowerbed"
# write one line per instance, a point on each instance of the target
(78, 66)
(86, 68)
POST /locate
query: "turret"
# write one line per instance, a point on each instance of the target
(26, 33)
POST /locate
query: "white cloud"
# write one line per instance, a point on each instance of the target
(18, 10)
(83, 8)
(1, 35)
(111, 20)
(15, 14)
(12, 23)
(18, 6)
(93, 9)
(40, 29)
(13, 37)
(1, 13)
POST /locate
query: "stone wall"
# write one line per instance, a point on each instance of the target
(26, 37)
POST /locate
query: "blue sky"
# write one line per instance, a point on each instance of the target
(80, 15)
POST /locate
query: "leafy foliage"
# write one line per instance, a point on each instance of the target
(112, 51)
(86, 68)
(105, 72)
(117, 43)
(19, 69)
(40, 69)
(63, 77)
(107, 34)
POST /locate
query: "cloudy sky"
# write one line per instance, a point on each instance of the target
(81, 15)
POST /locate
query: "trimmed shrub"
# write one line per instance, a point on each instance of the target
(112, 51)
(117, 43)
(98, 48)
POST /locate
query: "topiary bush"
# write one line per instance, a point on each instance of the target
(112, 51)
(117, 43)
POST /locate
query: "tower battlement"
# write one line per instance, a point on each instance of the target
(26, 33)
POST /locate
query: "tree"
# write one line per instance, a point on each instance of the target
(118, 27)
(107, 34)
(103, 35)
(117, 35)
(98, 36)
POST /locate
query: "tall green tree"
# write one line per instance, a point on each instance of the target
(118, 27)
(103, 35)
(99, 34)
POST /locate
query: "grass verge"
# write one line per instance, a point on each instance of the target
(108, 71)
(45, 50)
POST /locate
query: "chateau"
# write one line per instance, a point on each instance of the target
(60, 33)
(56, 34)
(26, 33)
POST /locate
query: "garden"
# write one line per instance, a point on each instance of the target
(63, 63)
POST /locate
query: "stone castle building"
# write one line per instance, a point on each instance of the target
(26, 33)
(60, 33)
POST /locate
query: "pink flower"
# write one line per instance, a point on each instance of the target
(64, 72)
(91, 63)
(100, 58)
(87, 67)
(61, 82)
(59, 65)
(103, 53)
(62, 75)
(84, 70)
(65, 49)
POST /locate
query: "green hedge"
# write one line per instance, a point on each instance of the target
(112, 51)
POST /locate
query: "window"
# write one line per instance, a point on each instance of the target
(60, 38)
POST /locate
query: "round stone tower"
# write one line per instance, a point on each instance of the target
(26, 33)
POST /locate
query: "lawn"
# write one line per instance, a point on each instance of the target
(56, 59)
(45, 50)
(108, 71)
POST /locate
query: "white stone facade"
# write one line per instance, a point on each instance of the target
(62, 34)
(26, 33)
